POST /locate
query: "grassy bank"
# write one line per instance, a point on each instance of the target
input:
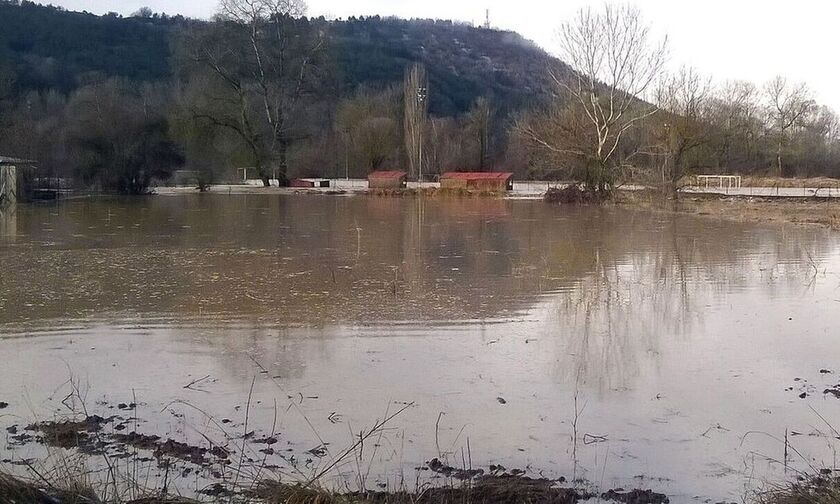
(497, 488)
(490, 489)
(815, 490)
(485, 490)
(814, 182)
(823, 212)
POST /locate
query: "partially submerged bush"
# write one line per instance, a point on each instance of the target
(570, 195)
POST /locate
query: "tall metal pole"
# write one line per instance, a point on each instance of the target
(421, 100)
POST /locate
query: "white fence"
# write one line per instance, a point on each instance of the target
(723, 181)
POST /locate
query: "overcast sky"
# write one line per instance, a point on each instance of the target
(726, 39)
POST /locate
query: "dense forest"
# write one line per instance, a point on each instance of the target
(117, 103)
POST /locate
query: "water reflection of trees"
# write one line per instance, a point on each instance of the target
(627, 300)
(319, 260)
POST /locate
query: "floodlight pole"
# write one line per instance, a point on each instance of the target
(422, 93)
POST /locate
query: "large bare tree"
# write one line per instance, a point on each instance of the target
(787, 107)
(682, 124)
(369, 123)
(734, 115)
(263, 70)
(615, 61)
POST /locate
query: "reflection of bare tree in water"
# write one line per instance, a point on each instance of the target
(618, 315)
(615, 318)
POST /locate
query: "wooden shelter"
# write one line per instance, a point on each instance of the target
(482, 181)
(387, 180)
(9, 180)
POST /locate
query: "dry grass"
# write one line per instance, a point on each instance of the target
(484, 490)
(278, 493)
(818, 490)
(823, 212)
(489, 489)
(758, 181)
(767, 181)
(17, 491)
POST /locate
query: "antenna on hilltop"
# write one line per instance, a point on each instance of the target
(487, 20)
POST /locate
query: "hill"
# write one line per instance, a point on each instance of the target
(463, 62)
(48, 48)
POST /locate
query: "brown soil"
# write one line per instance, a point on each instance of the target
(823, 212)
(460, 485)
(86, 435)
(174, 449)
(72, 434)
(635, 497)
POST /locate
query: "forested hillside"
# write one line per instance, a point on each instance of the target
(344, 114)
(52, 49)
(48, 48)
(463, 62)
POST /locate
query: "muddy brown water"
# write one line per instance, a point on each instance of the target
(676, 347)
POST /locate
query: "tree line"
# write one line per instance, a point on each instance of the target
(265, 87)
(623, 116)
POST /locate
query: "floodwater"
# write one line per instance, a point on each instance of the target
(626, 349)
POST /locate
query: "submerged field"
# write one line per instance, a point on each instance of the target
(215, 338)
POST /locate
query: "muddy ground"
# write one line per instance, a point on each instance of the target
(96, 435)
(824, 212)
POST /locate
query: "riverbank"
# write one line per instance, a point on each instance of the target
(106, 459)
(823, 212)
(484, 489)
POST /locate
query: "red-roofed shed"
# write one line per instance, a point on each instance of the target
(485, 181)
(387, 180)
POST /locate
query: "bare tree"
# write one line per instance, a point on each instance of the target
(445, 145)
(788, 105)
(264, 69)
(416, 102)
(250, 12)
(682, 122)
(615, 62)
(479, 123)
(370, 126)
(733, 113)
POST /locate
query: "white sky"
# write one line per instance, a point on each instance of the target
(727, 39)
